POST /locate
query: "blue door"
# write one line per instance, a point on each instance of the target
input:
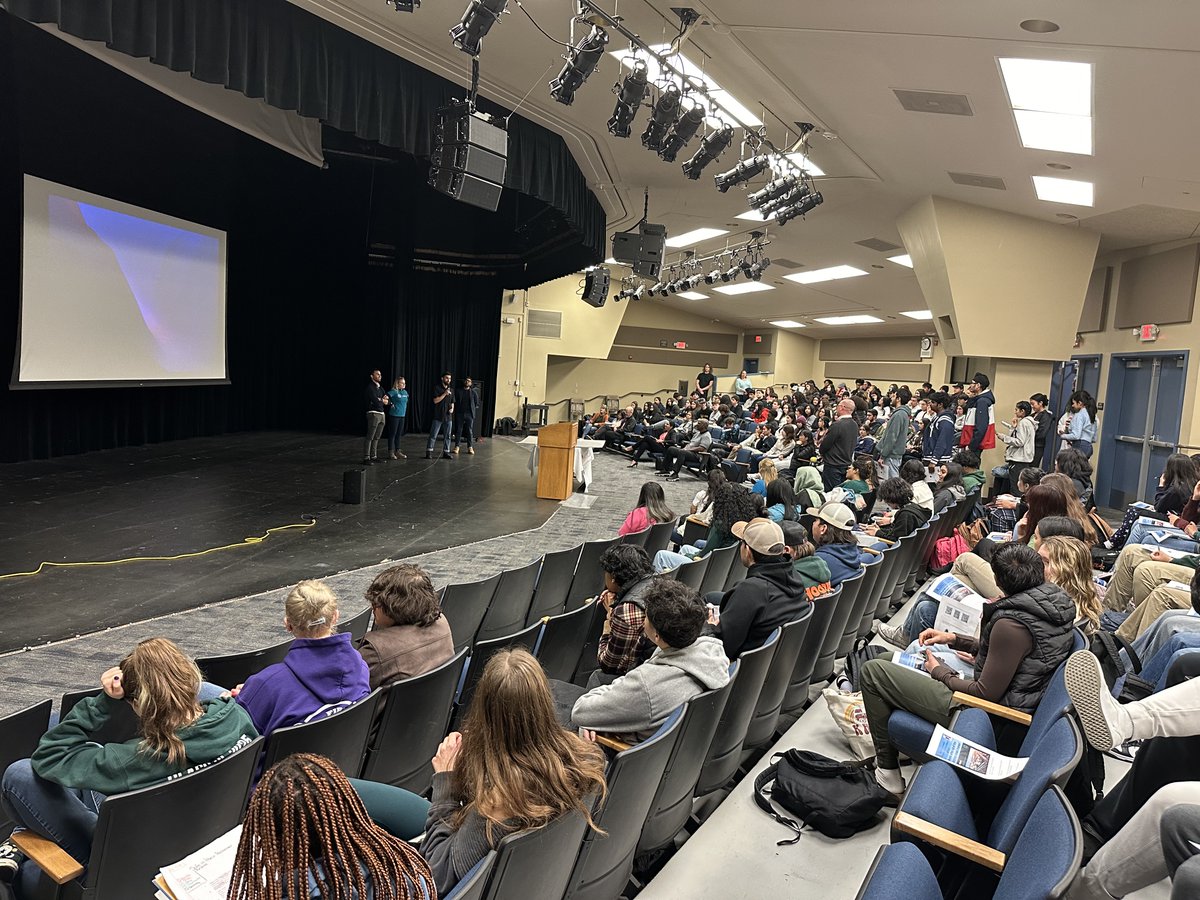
(1140, 426)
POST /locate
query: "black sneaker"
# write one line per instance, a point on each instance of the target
(447, 456)
(429, 454)
(10, 861)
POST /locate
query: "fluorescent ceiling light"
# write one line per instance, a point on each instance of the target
(745, 287)
(902, 259)
(847, 320)
(612, 262)
(735, 112)
(694, 237)
(754, 215)
(692, 295)
(1049, 85)
(787, 323)
(1062, 190)
(830, 274)
(1054, 131)
(922, 314)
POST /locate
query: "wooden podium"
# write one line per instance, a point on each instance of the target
(556, 460)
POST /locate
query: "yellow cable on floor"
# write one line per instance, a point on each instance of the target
(245, 542)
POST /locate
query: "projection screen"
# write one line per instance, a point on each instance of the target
(112, 294)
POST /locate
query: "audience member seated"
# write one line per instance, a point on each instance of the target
(972, 478)
(1151, 582)
(772, 593)
(1075, 508)
(321, 673)
(860, 481)
(57, 793)
(1177, 533)
(623, 643)
(833, 534)
(693, 452)
(950, 489)
(750, 452)
(767, 473)
(1167, 726)
(1175, 488)
(1175, 634)
(1075, 465)
(307, 834)
(807, 487)
(780, 502)
(912, 471)
(1004, 512)
(651, 509)
(684, 665)
(730, 504)
(1025, 635)
(903, 518)
(410, 635)
(812, 569)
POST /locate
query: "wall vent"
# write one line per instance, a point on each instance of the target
(544, 323)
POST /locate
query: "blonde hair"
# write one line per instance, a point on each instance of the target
(1069, 565)
(311, 608)
(768, 471)
(161, 682)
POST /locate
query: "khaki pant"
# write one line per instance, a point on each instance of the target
(1120, 586)
(1153, 604)
(975, 572)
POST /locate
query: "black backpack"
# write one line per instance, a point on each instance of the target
(835, 798)
(862, 653)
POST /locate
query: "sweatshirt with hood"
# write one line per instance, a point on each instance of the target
(635, 705)
(317, 674)
(844, 561)
(771, 595)
(67, 755)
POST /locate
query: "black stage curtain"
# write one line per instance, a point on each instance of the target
(321, 284)
(273, 50)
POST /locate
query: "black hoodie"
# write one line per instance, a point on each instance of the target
(772, 594)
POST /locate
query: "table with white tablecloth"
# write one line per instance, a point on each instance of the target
(585, 452)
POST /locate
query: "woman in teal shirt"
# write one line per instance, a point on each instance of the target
(397, 412)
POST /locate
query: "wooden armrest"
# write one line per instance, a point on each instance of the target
(870, 550)
(995, 709)
(612, 743)
(48, 856)
(696, 521)
(944, 838)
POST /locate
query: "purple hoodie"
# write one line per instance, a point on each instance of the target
(316, 673)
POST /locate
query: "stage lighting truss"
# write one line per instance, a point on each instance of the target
(476, 22)
(725, 266)
(630, 91)
(663, 117)
(581, 61)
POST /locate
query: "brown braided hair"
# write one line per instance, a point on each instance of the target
(303, 813)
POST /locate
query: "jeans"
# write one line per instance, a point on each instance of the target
(832, 476)
(374, 430)
(1155, 669)
(442, 426)
(464, 430)
(399, 812)
(65, 815)
(891, 467)
(1169, 624)
(666, 560)
(1176, 540)
(395, 431)
(920, 617)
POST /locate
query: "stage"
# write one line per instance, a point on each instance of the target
(186, 496)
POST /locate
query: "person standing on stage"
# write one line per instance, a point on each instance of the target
(443, 414)
(376, 401)
(466, 405)
(397, 410)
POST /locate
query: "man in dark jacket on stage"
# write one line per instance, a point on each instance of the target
(466, 405)
(771, 595)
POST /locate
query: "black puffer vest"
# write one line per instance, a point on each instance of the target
(1048, 614)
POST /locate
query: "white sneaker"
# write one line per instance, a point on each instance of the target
(1106, 724)
(10, 861)
(893, 634)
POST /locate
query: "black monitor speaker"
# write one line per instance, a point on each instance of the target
(595, 286)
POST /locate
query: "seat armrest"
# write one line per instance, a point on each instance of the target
(950, 841)
(52, 859)
(995, 709)
(612, 743)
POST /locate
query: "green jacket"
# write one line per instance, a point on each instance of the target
(814, 575)
(974, 481)
(67, 755)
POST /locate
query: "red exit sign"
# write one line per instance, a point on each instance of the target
(758, 339)
(681, 345)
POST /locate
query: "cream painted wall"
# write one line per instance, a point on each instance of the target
(939, 363)
(1184, 336)
(794, 356)
(1015, 379)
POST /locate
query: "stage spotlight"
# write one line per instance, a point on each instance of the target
(780, 187)
(807, 205)
(476, 22)
(629, 98)
(742, 172)
(711, 147)
(746, 266)
(685, 129)
(714, 276)
(639, 292)
(695, 281)
(658, 287)
(757, 269)
(662, 117)
(731, 273)
(404, 5)
(582, 60)
(789, 199)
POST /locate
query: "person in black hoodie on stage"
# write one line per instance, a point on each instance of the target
(771, 595)
(466, 405)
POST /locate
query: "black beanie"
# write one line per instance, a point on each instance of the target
(982, 380)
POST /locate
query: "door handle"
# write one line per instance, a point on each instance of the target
(1129, 439)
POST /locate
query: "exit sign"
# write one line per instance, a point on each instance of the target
(1148, 334)
(758, 339)
(681, 345)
